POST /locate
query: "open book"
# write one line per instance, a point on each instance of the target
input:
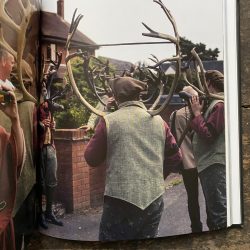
(106, 74)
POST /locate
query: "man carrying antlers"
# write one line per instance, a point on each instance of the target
(134, 145)
(209, 150)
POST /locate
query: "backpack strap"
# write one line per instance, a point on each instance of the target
(172, 125)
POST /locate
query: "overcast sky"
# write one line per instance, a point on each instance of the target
(117, 21)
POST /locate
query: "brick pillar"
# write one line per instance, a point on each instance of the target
(73, 188)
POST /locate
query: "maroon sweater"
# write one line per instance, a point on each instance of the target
(215, 124)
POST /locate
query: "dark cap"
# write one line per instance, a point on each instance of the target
(127, 88)
(216, 78)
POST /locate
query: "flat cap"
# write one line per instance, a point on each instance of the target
(127, 87)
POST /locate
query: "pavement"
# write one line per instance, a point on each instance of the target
(175, 219)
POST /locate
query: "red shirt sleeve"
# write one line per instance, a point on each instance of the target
(96, 150)
(215, 124)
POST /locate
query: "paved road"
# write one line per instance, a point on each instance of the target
(174, 221)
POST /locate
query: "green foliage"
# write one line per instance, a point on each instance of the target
(205, 54)
(75, 114)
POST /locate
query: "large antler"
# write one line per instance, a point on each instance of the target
(92, 74)
(203, 79)
(21, 31)
(89, 73)
(202, 88)
(73, 27)
(177, 58)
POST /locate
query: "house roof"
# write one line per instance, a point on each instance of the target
(169, 68)
(119, 65)
(55, 29)
(214, 65)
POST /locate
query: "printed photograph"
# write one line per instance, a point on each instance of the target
(132, 126)
(112, 119)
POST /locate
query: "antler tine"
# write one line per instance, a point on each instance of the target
(198, 76)
(6, 19)
(105, 74)
(73, 55)
(105, 87)
(72, 21)
(156, 102)
(20, 49)
(169, 15)
(159, 35)
(4, 44)
(77, 21)
(90, 79)
(152, 75)
(172, 59)
(152, 59)
(203, 79)
(177, 58)
(155, 57)
(21, 5)
(78, 94)
(191, 85)
(73, 27)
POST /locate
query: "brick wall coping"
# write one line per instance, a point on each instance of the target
(70, 135)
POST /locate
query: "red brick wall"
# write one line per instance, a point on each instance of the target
(80, 176)
(79, 185)
(64, 174)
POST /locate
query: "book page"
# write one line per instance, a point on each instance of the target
(232, 113)
(110, 166)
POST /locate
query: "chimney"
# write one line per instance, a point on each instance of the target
(60, 8)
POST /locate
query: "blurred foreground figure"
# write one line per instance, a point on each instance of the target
(12, 148)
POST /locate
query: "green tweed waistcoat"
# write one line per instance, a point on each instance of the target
(205, 153)
(135, 154)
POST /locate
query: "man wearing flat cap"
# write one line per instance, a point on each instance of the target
(209, 150)
(134, 145)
